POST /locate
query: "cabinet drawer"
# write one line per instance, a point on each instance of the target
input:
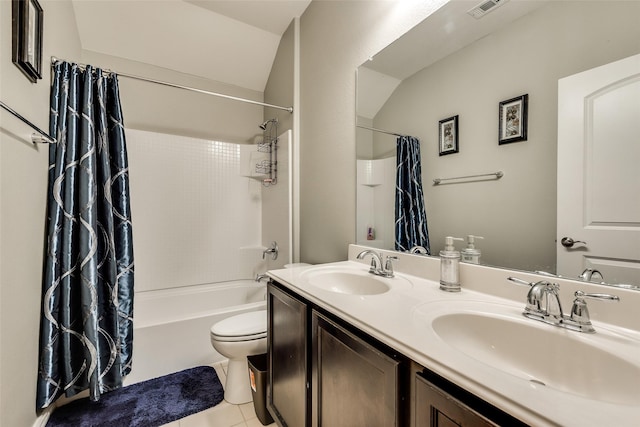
(435, 408)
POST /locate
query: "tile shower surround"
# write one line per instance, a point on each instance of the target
(196, 218)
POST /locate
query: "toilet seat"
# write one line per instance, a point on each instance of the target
(242, 327)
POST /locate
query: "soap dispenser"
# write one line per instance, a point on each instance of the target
(470, 254)
(450, 266)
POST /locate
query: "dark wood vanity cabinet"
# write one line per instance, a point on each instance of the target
(353, 382)
(287, 345)
(324, 372)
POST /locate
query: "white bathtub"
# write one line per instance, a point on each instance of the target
(171, 326)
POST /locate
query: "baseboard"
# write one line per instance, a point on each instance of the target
(44, 416)
(42, 419)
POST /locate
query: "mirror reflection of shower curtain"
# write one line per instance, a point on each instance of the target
(87, 298)
(411, 218)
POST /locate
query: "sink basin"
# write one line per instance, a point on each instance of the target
(349, 280)
(547, 356)
(348, 283)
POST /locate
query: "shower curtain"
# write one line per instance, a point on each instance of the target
(411, 218)
(87, 297)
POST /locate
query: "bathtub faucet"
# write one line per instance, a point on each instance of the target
(259, 277)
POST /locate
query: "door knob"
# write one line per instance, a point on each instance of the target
(568, 242)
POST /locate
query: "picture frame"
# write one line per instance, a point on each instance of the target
(512, 125)
(27, 22)
(448, 139)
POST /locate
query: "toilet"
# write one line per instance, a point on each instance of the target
(235, 338)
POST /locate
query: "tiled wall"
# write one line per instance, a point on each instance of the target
(196, 219)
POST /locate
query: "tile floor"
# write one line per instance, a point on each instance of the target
(223, 414)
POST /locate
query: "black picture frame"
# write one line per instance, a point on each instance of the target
(448, 136)
(512, 125)
(27, 37)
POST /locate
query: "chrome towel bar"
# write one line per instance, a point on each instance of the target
(43, 137)
(496, 175)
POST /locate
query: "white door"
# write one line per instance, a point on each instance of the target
(599, 171)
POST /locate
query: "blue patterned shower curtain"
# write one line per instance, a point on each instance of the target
(411, 218)
(87, 297)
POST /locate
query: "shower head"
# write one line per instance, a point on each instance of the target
(263, 126)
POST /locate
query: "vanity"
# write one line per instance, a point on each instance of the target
(348, 348)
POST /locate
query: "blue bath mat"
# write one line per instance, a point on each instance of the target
(150, 403)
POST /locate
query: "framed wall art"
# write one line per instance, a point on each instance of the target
(27, 37)
(512, 126)
(448, 131)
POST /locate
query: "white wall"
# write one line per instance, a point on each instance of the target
(336, 37)
(527, 56)
(23, 182)
(157, 108)
(276, 209)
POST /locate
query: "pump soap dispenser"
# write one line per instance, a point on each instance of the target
(450, 266)
(470, 254)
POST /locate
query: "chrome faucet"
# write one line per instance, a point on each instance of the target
(543, 301)
(588, 273)
(420, 250)
(376, 263)
(376, 260)
(543, 304)
(259, 277)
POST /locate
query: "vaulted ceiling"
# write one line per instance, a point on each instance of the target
(230, 41)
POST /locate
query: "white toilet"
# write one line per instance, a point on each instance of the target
(236, 338)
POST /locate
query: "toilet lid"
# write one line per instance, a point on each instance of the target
(252, 325)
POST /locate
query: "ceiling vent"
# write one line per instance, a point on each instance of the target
(485, 7)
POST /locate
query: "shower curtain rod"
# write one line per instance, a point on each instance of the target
(193, 89)
(380, 130)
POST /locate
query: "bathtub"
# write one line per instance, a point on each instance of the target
(171, 326)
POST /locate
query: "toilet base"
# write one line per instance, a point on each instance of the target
(236, 388)
(236, 347)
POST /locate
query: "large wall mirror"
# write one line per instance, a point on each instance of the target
(453, 64)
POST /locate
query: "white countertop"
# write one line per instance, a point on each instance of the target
(401, 318)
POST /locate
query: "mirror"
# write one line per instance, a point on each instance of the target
(453, 64)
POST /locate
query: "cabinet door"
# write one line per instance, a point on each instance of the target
(435, 408)
(287, 397)
(354, 384)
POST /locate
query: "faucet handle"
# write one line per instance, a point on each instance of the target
(520, 281)
(273, 250)
(534, 296)
(582, 294)
(388, 265)
(580, 311)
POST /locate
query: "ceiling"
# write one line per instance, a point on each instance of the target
(446, 31)
(230, 41)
